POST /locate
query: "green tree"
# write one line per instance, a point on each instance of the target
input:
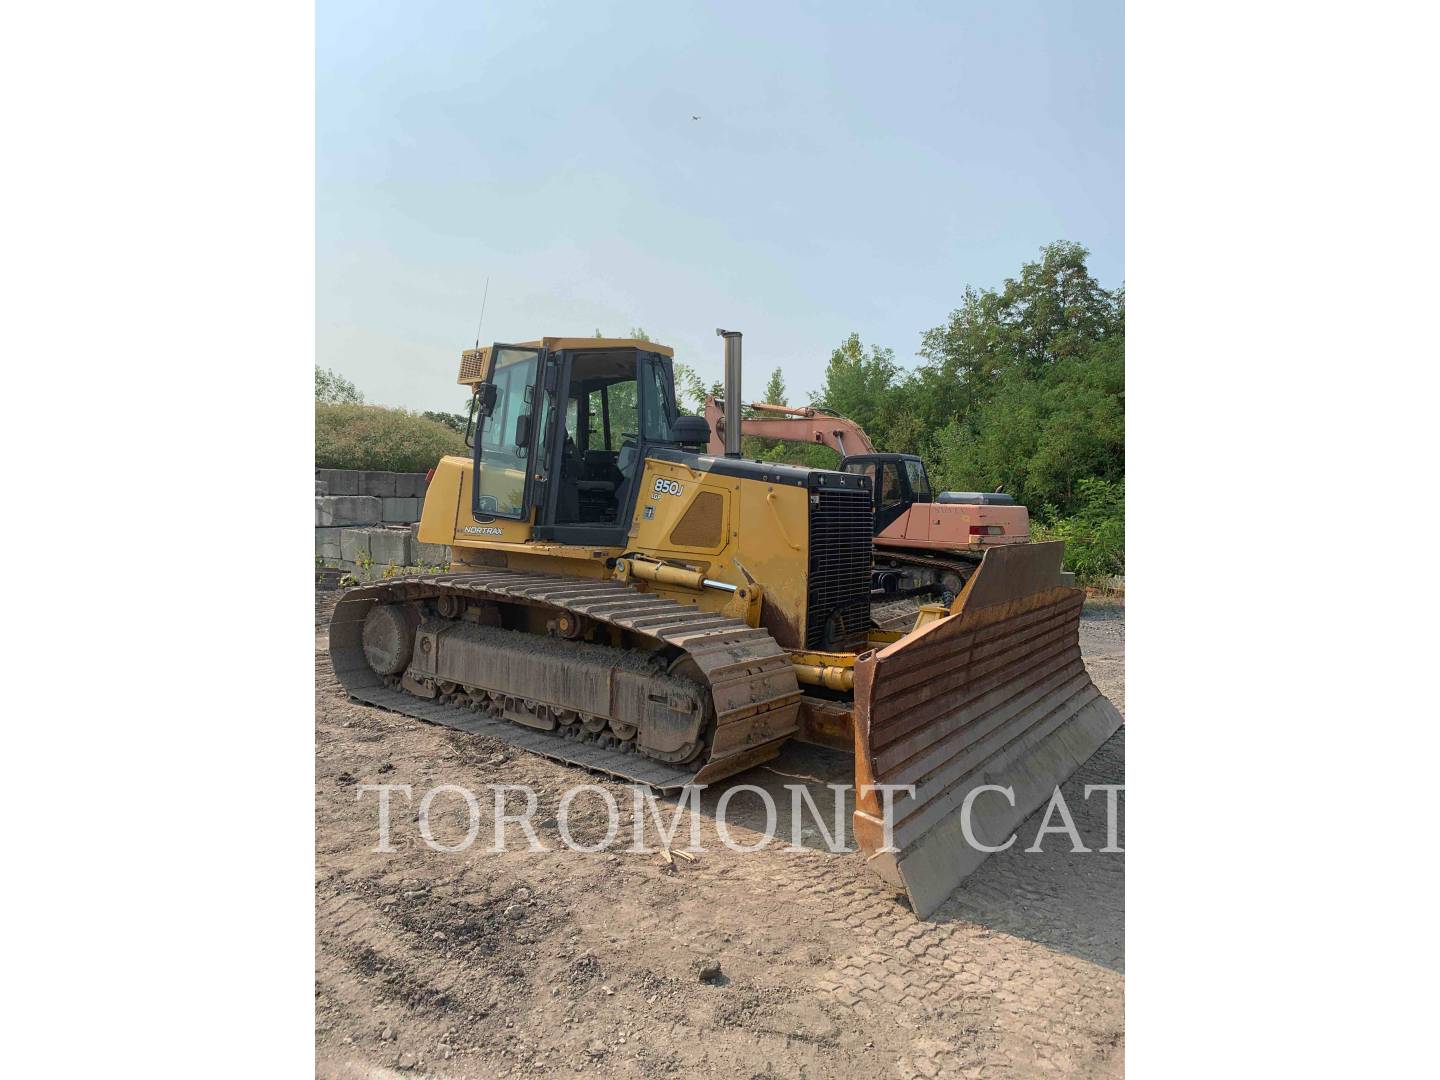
(858, 384)
(690, 389)
(1024, 387)
(334, 389)
(1054, 310)
(775, 389)
(1038, 439)
(1021, 389)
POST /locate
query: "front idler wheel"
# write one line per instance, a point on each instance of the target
(388, 637)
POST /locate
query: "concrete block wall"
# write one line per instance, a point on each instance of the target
(368, 519)
(327, 544)
(390, 547)
(400, 511)
(336, 510)
(368, 552)
(401, 497)
(382, 485)
(428, 554)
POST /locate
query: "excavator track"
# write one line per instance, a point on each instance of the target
(897, 559)
(753, 693)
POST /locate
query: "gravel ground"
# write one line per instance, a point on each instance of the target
(515, 963)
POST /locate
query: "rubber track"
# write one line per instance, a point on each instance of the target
(752, 682)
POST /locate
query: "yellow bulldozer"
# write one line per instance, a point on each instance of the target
(623, 600)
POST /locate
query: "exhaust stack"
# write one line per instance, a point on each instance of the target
(732, 391)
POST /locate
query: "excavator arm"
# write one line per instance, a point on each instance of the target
(799, 425)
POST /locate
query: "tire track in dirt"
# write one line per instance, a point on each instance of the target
(824, 972)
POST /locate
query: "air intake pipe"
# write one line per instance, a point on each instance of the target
(732, 391)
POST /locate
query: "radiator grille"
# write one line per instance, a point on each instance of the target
(838, 604)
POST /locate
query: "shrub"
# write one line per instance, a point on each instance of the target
(373, 437)
(808, 455)
(1095, 534)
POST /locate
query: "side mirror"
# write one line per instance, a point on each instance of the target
(522, 429)
(486, 394)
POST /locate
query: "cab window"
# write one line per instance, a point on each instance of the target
(500, 481)
(514, 378)
(890, 493)
(599, 421)
(659, 408)
(919, 482)
(600, 456)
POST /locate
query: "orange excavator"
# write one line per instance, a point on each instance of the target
(923, 542)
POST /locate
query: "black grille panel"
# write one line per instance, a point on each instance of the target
(838, 605)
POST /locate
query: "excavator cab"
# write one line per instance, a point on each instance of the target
(899, 481)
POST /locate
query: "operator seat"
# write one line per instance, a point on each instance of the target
(628, 462)
(569, 495)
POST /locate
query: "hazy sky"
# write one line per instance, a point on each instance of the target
(854, 166)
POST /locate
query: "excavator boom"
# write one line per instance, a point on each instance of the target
(798, 425)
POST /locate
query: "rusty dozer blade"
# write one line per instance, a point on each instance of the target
(993, 693)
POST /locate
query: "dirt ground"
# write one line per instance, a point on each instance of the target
(481, 964)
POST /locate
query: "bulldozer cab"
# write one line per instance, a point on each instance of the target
(898, 481)
(562, 433)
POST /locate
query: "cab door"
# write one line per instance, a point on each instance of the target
(506, 433)
(891, 496)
